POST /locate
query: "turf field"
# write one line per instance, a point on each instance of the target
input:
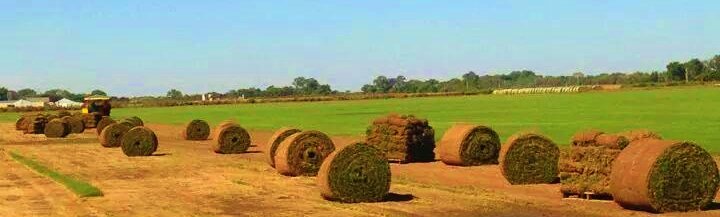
(683, 113)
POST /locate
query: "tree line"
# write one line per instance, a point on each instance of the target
(52, 94)
(694, 70)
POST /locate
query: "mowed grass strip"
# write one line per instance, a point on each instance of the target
(80, 188)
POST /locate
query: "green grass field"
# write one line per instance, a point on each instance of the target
(80, 188)
(683, 113)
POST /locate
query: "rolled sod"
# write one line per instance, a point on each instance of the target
(57, 128)
(136, 121)
(275, 140)
(612, 141)
(126, 123)
(35, 124)
(104, 122)
(587, 169)
(76, 124)
(355, 173)
(585, 138)
(469, 145)
(196, 130)
(139, 141)
(301, 154)
(21, 123)
(63, 113)
(231, 138)
(636, 135)
(51, 117)
(529, 158)
(664, 176)
(113, 134)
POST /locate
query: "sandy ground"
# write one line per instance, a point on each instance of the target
(186, 178)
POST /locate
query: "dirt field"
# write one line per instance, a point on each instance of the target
(185, 178)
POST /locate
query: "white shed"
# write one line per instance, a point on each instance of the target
(66, 103)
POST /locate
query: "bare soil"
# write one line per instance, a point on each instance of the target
(186, 178)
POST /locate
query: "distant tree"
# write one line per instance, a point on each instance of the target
(398, 84)
(57, 94)
(693, 68)
(712, 69)
(578, 76)
(98, 92)
(471, 80)
(382, 84)
(3, 93)
(675, 71)
(368, 88)
(174, 94)
(27, 92)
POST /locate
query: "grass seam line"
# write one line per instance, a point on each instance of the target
(80, 188)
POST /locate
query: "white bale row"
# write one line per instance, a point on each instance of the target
(541, 90)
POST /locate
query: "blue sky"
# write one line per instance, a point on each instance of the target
(148, 47)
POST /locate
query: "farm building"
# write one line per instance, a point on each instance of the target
(26, 103)
(66, 103)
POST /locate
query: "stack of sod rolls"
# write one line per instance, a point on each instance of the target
(585, 168)
(403, 138)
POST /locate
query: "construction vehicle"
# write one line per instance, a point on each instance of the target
(94, 108)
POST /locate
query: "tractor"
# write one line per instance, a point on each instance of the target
(94, 108)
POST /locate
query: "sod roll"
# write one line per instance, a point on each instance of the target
(76, 125)
(301, 154)
(57, 128)
(275, 140)
(231, 138)
(63, 113)
(139, 141)
(635, 135)
(35, 124)
(585, 138)
(104, 122)
(469, 145)
(136, 121)
(21, 123)
(612, 141)
(196, 130)
(664, 176)
(529, 158)
(355, 173)
(112, 135)
(126, 123)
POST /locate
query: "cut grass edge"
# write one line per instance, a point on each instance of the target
(80, 188)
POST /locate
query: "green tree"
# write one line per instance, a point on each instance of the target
(471, 80)
(174, 94)
(675, 71)
(98, 92)
(27, 92)
(382, 84)
(693, 68)
(3, 93)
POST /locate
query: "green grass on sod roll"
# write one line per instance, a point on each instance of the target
(80, 188)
